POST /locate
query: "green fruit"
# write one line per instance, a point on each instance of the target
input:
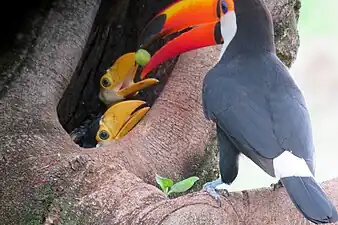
(142, 57)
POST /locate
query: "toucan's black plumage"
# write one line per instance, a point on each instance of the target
(261, 113)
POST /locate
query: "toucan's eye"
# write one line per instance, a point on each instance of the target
(105, 82)
(104, 135)
(224, 7)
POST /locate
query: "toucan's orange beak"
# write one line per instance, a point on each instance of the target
(199, 22)
(198, 37)
(178, 16)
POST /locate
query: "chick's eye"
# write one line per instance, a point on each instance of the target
(224, 7)
(104, 135)
(105, 82)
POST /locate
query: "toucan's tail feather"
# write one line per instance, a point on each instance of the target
(310, 199)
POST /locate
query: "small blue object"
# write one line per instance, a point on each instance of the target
(224, 7)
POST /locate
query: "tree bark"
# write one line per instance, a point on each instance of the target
(47, 179)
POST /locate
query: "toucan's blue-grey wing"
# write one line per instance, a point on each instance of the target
(259, 107)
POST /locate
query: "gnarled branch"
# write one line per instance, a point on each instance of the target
(46, 178)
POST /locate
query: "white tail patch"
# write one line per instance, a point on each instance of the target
(289, 165)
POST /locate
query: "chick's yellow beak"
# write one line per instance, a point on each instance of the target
(122, 70)
(118, 82)
(131, 123)
(119, 119)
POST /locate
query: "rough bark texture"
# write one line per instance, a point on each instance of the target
(47, 179)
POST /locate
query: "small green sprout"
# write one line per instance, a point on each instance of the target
(142, 57)
(168, 187)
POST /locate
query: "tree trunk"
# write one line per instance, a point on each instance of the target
(47, 179)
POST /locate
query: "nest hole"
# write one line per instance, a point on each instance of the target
(115, 32)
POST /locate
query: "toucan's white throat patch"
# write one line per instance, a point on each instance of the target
(228, 30)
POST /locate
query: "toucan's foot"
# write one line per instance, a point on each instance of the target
(276, 185)
(214, 188)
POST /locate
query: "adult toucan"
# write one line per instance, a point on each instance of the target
(258, 109)
(199, 20)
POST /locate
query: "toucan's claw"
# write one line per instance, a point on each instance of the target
(277, 185)
(115, 118)
(198, 37)
(135, 87)
(130, 124)
(178, 16)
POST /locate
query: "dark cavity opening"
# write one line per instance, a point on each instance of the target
(115, 32)
(20, 23)
(14, 18)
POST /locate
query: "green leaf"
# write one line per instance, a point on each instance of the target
(164, 183)
(183, 185)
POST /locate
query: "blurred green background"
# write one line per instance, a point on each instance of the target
(318, 17)
(316, 73)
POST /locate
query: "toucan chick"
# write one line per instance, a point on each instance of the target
(119, 119)
(118, 82)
